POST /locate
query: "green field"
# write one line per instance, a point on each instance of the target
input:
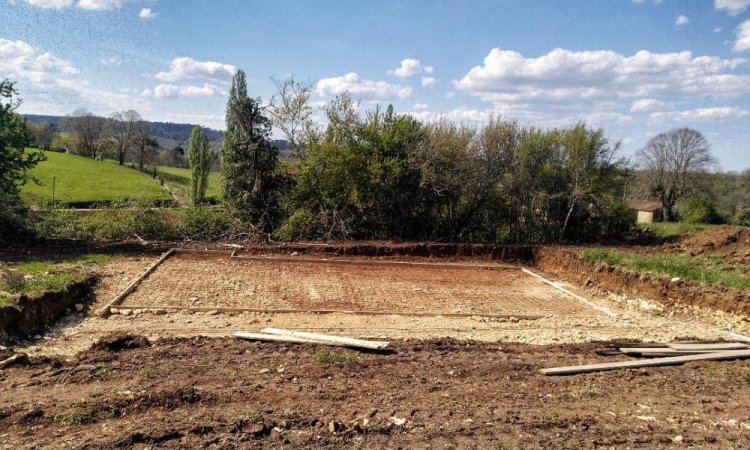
(80, 180)
(178, 180)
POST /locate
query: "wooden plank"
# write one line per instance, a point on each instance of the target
(331, 311)
(103, 312)
(572, 294)
(650, 351)
(374, 263)
(737, 337)
(327, 338)
(274, 338)
(709, 347)
(669, 361)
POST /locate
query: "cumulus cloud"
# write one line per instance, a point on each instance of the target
(48, 83)
(743, 37)
(50, 4)
(428, 81)
(564, 76)
(421, 106)
(360, 88)
(681, 20)
(185, 68)
(732, 7)
(91, 5)
(646, 104)
(699, 115)
(101, 5)
(410, 67)
(147, 13)
(174, 91)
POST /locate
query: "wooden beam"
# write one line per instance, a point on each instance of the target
(103, 312)
(360, 262)
(669, 361)
(331, 311)
(737, 337)
(273, 338)
(651, 352)
(572, 294)
(708, 347)
(327, 338)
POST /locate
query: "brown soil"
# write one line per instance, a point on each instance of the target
(567, 264)
(224, 393)
(216, 281)
(31, 315)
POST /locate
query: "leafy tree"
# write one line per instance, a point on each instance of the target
(291, 112)
(672, 162)
(40, 136)
(249, 160)
(200, 157)
(88, 130)
(15, 162)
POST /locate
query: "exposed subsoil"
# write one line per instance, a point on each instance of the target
(225, 393)
(201, 280)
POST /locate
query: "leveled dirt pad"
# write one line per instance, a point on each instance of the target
(218, 281)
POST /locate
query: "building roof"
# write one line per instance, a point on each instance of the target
(644, 205)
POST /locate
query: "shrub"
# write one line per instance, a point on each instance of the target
(701, 210)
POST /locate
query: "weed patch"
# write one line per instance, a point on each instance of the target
(333, 357)
(707, 270)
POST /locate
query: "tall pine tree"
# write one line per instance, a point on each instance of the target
(248, 159)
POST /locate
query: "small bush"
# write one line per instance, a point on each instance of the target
(701, 210)
(205, 224)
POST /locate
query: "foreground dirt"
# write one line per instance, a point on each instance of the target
(225, 393)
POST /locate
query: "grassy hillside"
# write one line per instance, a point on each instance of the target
(81, 180)
(178, 180)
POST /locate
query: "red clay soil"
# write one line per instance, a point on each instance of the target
(566, 264)
(225, 393)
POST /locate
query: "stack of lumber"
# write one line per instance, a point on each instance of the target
(301, 337)
(675, 353)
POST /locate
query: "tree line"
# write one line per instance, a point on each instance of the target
(382, 175)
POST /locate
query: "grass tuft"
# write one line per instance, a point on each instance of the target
(333, 357)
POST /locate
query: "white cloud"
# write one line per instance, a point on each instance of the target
(718, 30)
(646, 104)
(410, 67)
(428, 81)
(185, 67)
(101, 5)
(743, 37)
(564, 76)
(50, 84)
(421, 106)
(733, 7)
(50, 4)
(111, 61)
(147, 13)
(174, 91)
(699, 115)
(359, 88)
(682, 20)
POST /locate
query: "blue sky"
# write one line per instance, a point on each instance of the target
(635, 68)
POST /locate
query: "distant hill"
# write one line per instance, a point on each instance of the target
(169, 134)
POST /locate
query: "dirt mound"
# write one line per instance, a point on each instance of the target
(731, 241)
(9, 276)
(121, 342)
(225, 393)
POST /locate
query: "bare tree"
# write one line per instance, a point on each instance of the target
(88, 131)
(143, 144)
(671, 162)
(291, 111)
(123, 128)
